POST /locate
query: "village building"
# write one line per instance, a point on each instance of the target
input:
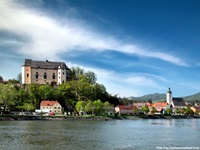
(174, 102)
(43, 72)
(196, 109)
(125, 110)
(50, 107)
(159, 106)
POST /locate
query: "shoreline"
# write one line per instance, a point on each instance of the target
(105, 118)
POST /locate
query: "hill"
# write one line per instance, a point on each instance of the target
(192, 97)
(153, 97)
(161, 97)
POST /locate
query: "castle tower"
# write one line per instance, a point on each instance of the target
(169, 97)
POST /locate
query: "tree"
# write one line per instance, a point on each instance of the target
(153, 110)
(145, 109)
(8, 96)
(80, 106)
(168, 111)
(89, 107)
(19, 78)
(107, 107)
(91, 77)
(188, 111)
(98, 107)
(1, 79)
(135, 110)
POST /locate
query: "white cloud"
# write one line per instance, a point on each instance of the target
(49, 37)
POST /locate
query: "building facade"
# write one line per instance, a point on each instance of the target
(43, 72)
(51, 107)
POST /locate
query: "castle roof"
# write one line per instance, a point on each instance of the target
(45, 64)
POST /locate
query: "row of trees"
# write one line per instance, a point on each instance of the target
(81, 87)
(94, 107)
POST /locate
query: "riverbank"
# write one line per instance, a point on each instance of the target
(106, 118)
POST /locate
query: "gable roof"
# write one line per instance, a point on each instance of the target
(178, 101)
(45, 64)
(159, 104)
(124, 107)
(48, 103)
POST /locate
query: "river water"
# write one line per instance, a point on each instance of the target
(100, 135)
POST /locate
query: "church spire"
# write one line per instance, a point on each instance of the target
(169, 90)
(169, 96)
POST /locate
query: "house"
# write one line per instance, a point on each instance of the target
(43, 72)
(125, 110)
(159, 106)
(195, 109)
(139, 105)
(50, 107)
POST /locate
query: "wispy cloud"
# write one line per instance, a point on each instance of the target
(48, 37)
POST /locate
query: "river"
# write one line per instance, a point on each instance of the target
(144, 134)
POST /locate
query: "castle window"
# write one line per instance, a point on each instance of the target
(45, 75)
(27, 75)
(36, 75)
(53, 76)
(63, 73)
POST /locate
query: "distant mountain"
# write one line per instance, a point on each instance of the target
(192, 97)
(153, 97)
(162, 97)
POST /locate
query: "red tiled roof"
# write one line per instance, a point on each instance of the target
(124, 107)
(159, 104)
(48, 103)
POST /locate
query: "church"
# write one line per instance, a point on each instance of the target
(174, 102)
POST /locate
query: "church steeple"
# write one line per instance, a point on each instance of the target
(169, 96)
(169, 90)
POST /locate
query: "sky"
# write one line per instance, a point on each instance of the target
(135, 47)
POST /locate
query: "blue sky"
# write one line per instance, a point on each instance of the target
(135, 47)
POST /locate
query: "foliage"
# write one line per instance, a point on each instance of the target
(168, 111)
(153, 110)
(145, 109)
(81, 90)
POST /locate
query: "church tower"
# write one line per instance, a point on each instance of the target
(169, 97)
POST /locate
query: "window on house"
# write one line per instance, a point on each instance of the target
(55, 107)
(27, 75)
(36, 75)
(63, 72)
(58, 107)
(53, 76)
(45, 75)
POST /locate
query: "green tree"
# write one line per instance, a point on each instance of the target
(135, 110)
(98, 107)
(1, 79)
(19, 78)
(108, 107)
(8, 96)
(89, 107)
(80, 106)
(91, 77)
(153, 110)
(168, 111)
(145, 109)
